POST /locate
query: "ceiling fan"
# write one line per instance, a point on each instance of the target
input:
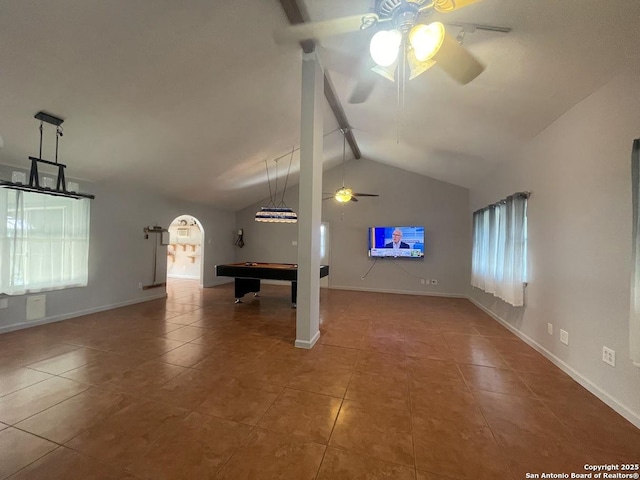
(344, 194)
(403, 39)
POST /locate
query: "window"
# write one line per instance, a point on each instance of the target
(499, 258)
(324, 243)
(325, 250)
(44, 242)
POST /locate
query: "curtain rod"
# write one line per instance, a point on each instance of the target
(504, 200)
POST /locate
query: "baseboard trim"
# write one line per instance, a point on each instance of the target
(399, 292)
(308, 344)
(78, 313)
(618, 406)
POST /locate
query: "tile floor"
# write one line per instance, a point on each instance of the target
(196, 387)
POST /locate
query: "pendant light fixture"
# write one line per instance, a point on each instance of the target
(279, 213)
(60, 189)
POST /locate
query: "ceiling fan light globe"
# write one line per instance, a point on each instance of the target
(385, 46)
(426, 40)
(344, 195)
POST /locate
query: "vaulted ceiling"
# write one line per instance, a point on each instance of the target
(190, 98)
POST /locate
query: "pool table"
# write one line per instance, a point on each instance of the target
(248, 275)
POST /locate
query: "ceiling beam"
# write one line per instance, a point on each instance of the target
(296, 14)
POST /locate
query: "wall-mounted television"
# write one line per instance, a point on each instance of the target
(406, 242)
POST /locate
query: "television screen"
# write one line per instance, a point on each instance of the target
(396, 242)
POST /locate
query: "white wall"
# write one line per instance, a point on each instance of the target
(120, 257)
(405, 199)
(579, 224)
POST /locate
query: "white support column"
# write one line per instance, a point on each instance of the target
(310, 206)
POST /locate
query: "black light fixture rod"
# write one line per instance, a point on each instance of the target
(49, 162)
(41, 128)
(47, 117)
(57, 139)
(47, 191)
(53, 120)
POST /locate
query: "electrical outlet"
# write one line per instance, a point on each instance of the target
(564, 337)
(4, 303)
(422, 281)
(550, 328)
(140, 285)
(294, 242)
(609, 356)
(434, 281)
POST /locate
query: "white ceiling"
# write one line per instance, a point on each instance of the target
(191, 97)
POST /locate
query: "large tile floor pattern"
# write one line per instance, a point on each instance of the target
(196, 387)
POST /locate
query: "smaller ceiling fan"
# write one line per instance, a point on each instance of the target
(345, 194)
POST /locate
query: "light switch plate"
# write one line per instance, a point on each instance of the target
(564, 337)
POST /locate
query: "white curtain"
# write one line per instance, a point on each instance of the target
(634, 321)
(499, 249)
(44, 242)
(478, 269)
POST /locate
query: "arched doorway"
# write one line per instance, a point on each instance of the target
(186, 249)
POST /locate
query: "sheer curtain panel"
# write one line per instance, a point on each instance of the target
(500, 249)
(44, 242)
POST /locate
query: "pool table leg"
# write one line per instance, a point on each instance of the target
(294, 294)
(244, 286)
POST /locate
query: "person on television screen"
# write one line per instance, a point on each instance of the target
(397, 242)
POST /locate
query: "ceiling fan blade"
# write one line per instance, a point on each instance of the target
(355, 66)
(327, 198)
(354, 199)
(471, 27)
(457, 61)
(327, 28)
(445, 6)
(362, 90)
(365, 195)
